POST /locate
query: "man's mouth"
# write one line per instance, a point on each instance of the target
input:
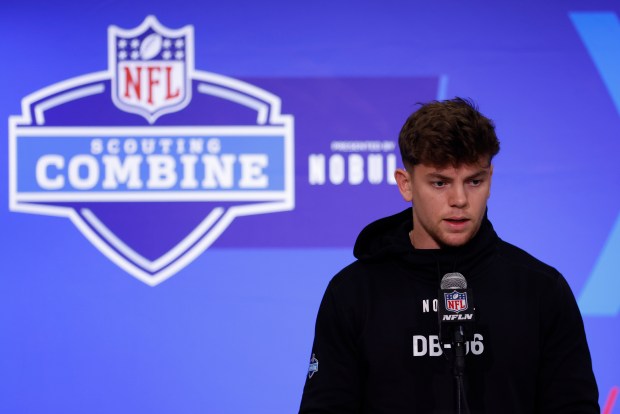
(457, 219)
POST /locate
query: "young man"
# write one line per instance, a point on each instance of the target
(377, 346)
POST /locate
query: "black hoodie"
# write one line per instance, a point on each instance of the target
(376, 347)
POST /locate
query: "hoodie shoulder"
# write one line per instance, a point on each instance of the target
(517, 257)
(385, 237)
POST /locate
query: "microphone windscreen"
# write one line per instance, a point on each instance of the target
(453, 280)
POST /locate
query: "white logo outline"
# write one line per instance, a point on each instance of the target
(269, 119)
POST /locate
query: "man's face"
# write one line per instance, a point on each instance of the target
(448, 202)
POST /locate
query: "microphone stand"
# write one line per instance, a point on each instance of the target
(459, 369)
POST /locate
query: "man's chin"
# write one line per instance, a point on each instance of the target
(454, 241)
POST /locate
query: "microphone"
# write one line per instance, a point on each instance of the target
(456, 316)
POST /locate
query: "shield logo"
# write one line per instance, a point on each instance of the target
(456, 301)
(151, 197)
(151, 64)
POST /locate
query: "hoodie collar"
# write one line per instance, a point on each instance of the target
(388, 238)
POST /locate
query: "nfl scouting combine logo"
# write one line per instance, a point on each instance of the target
(151, 159)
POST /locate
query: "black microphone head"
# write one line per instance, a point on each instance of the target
(453, 280)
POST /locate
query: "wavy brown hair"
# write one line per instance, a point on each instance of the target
(450, 132)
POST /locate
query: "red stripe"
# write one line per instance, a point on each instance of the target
(611, 400)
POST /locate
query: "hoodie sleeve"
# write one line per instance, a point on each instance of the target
(566, 382)
(335, 379)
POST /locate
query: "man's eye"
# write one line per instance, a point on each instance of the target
(476, 183)
(439, 184)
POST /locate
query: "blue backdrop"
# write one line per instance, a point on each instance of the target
(201, 297)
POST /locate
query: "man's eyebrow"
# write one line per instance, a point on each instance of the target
(480, 173)
(438, 175)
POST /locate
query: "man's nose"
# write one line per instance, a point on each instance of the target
(458, 196)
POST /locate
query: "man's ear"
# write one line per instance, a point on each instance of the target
(403, 180)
